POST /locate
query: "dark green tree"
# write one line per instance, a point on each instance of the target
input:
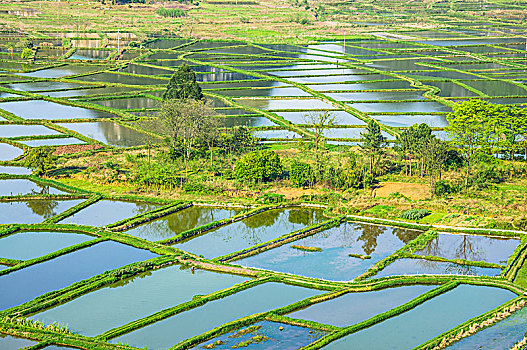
(40, 160)
(183, 85)
(373, 145)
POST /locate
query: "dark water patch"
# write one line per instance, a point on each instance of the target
(122, 79)
(166, 44)
(43, 85)
(105, 212)
(63, 71)
(251, 231)
(84, 54)
(111, 133)
(442, 74)
(88, 91)
(33, 211)
(20, 286)
(334, 262)
(166, 333)
(39, 109)
(449, 89)
(30, 245)
(469, 247)
(353, 308)
(415, 326)
(223, 76)
(401, 84)
(276, 336)
(144, 70)
(130, 103)
(13, 187)
(497, 88)
(183, 220)
(109, 307)
(426, 267)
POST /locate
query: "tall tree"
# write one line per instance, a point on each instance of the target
(183, 85)
(185, 122)
(319, 123)
(373, 144)
(467, 129)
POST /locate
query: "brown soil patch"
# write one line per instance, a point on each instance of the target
(411, 190)
(74, 149)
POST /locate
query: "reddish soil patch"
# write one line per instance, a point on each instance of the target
(74, 149)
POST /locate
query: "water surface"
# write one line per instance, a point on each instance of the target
(333, 261)
(105, 212)
(426, 267)
(166, 333)
(251, 231)
(470, 247)
(33, 211)
(39, 109)
(503, 335)
(8, 152)
(109, 307)
(19, 286)
(183, 220)
(416, 326)
(278, 336)
(111, 133)
(353, 308)
(28, 245)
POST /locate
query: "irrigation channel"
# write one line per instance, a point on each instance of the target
(79, 269)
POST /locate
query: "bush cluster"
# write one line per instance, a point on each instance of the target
(415, 214)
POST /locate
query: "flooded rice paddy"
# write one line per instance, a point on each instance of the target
(380, 79)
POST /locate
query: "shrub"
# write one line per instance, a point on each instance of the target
(301, 174)
(26, 53)
(170, 12)
(271, 198)
(443, 188)
(415, 214)
(259, 166)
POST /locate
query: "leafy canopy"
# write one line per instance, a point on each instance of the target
(183, 85)
(259, 166)
(40, 160)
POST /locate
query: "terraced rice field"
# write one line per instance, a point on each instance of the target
(124, 274)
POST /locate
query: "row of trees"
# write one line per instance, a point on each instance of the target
(477, 127)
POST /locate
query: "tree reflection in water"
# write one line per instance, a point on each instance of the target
(43, 207)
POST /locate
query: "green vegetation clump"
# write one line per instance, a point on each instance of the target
(173, 12)
(183, 85)
(40, 160)
(415, 214)
(301, 174)
(259, 166)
